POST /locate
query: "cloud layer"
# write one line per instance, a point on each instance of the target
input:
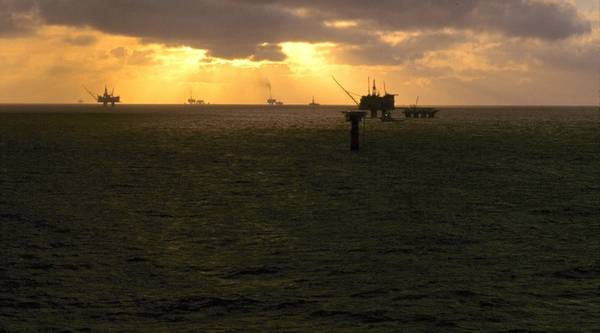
(253, 28)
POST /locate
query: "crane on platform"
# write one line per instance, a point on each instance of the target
(346, 91)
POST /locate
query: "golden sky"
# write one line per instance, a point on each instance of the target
(229, 51)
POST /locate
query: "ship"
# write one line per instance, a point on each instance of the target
(313, 103)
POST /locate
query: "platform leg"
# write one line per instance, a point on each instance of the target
(355, 135)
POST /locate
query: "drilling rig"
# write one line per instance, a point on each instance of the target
(106, 98)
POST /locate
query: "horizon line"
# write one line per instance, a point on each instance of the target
(288, 105)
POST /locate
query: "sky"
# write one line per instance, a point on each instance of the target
(448, 52)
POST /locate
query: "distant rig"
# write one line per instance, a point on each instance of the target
(271, 100)
(105, 98)
(193, 101)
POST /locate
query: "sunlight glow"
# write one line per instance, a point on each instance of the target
(341, 24)
(306, 58)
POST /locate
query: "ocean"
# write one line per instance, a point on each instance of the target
(259, 219)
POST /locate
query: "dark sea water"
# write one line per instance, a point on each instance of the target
(255, 219)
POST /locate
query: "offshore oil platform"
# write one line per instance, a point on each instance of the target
(313, 103)
(193, 101)
(106, 98)
(271, 100)
(374, 102)
(415, 111)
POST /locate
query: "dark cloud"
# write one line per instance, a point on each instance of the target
(16, 17)
(242, 28)
(518, 18)
(408, 50)
(268, 52)
(228, 29)
(569, 56)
